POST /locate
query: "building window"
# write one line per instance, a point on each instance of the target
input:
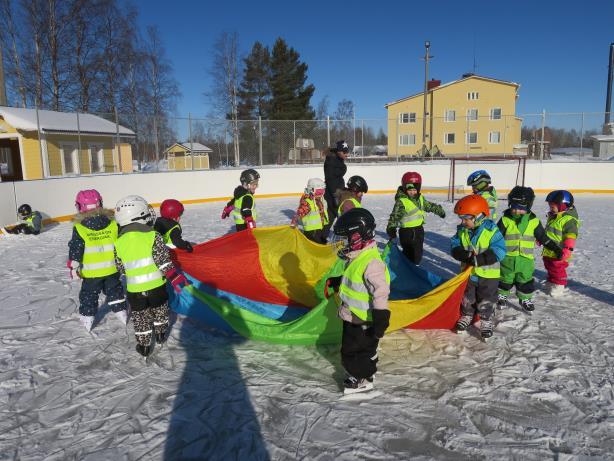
(450, 116)
(97, 158)
(407, 117)
(495, 113)
(494, 137)
(472, 115)
(407, 140)
(449, 138)
(70, 160)
(6, 162)
(472, 138)
(473, 95)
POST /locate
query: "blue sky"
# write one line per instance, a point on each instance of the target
(369, 52)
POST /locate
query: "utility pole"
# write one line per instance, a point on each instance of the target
(2, 85)
(427, 57)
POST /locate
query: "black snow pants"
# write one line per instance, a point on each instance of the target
(359, 350)
(412, 242)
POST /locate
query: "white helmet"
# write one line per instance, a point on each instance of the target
(134, 208)
(313, 184)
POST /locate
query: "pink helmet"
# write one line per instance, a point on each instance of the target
(88, 200)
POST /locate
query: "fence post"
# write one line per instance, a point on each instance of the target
(328, 130)
(119, 149)
(190, 135)
(396, 138)
(582, 135)
(294, 142)
(541, 150)
(79, 144)
(260, 140)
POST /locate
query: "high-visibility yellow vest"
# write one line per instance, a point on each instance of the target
(353, 291)
(490, 271)
(491, 198)
(313, 220)
(554, 230)
(356, 203)
(134, 249)
(167, 235)
(236, 213)
(98, 257)
(517, 243)
(29, 222)
(414, 215)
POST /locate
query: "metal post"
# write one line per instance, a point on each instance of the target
(328, 130)
(396, 139)
(608, 99)
(119, 148)
(190, 135)
(541, 150)
(294, 136)
(353, 129)
(40, 144)
(260, 140)
(362, 139)
(427, 46)
(79, 144)
(156, 143)
(582, 135)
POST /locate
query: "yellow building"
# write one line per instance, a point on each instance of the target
(180, 156)
(471, 116)
(46, 144)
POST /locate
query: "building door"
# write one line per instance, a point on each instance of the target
(10, 160)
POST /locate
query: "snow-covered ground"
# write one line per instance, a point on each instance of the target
(541, 389)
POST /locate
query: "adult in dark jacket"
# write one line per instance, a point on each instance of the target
(334, 170)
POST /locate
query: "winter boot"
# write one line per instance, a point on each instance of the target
(353, 385)
(557, 291)
(527, 305)
(122, 316)
(502, 301)
(144, 350)
(463, 323)
(486, 327)
(87, 321)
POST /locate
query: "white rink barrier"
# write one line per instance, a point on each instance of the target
(55, 197)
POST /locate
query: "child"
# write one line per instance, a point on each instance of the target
(562, 228)
(478, 243)
(167, 225)
(90, 257)
(521, 228)
(243, 206)
(313, 211)
(351, 196)
(363, 288)
(141, 254)
(408, 214)
(480, 184)
(31, 221)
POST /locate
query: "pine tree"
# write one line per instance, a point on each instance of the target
(290, 97)
(254, 92)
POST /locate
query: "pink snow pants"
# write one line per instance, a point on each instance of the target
(557, 270)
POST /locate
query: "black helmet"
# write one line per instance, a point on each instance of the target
(24, 210)
(356, 220)
(249, 176)
(342, 146)
(357, 184)
(521, 198)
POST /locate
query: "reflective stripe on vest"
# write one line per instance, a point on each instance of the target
(414, 215)
(554, 230)
(491, 198)
(134, 249)
(516, 243)
(238, 204)
(167, 235)
(98, 257)
(353, 291)
(312, 220)
(356, 203)
(490, 271)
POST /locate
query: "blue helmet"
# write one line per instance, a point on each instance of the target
(559, 197)
(477, 177)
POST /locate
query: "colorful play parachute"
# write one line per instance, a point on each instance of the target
(268, 284)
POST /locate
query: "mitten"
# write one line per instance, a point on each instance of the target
(568, 246)
(74, 268)
(176, 279)
(381, 320)
(251, 224)
(227, 210)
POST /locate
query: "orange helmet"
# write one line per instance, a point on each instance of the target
(474, 205)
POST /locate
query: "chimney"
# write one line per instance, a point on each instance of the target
(608, 97)
(432, 83)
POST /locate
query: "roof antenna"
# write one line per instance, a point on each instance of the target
(475, 63)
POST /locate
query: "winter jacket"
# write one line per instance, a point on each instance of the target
(334, 170)
(539, 232)
(163, 225)
(561, 227)
(160, 252)
(376, 283)
(96, 219)
(34, 223)
(304, 208)
(398, 211)
(490, 195)
(493, 255)
(343, 197)
(247, 204)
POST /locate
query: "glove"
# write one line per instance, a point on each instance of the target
(74, 268)
(442, 214)
(188, 247)
(332, 286)
(462, 255)
(227, 210)
(392, 233)
(176, 279)
(381, 320)
(251, 224)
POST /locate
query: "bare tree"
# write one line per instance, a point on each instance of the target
(225, 73)
(9, 40)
